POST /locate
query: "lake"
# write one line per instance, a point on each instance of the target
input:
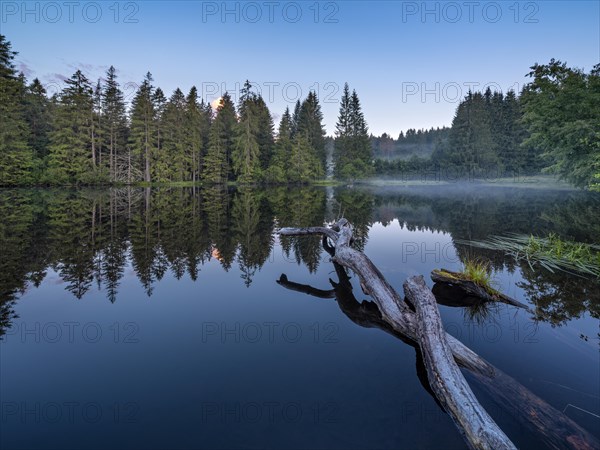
(153, 318)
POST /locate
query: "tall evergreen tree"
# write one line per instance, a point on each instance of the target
(115, 126)
(193, 129)
(343, 132)
(142, 135)
(16, 156)
(96, 125)
(277, 171)
(303, 165)
(217, 167)
(353, 152)
(246, 151)
(160, 104)
(361, 145)
(296, 117)
(470, 143)
(38, 113)
(310, 123)
(264, 132)
(71, 150)
(173, 156)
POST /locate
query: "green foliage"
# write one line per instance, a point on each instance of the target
(71, 155)
(353, 152)
(173, 156)
(552, 252)
(85, 135)
(16, 156)
(562, 113)
(303, 165)
(277, 170)
(217, 167)
(115, 129)
(38, 113)
(471, 142)
(247, 152)
(310, 124)
(478, 271)
(144, 138)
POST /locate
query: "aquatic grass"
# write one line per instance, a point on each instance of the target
(552, 253)
(477, 271)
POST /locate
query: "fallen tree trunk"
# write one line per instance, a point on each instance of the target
(446, 379)
(552, 426)
(457, 279)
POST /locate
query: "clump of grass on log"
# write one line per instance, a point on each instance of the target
(474, 270)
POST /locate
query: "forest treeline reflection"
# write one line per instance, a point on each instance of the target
(90, 237)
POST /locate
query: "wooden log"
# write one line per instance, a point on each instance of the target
(553, 427)
(457, 279)
(392, 307)
(445, 378)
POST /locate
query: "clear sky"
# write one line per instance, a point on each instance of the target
(410, 62)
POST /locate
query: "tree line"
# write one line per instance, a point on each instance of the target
(87, 134)
(553, 126)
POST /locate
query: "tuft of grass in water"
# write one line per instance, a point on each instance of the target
(478, 271)
(552, 252)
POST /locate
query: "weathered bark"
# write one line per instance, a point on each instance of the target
(456, 279)
(395, 316)
(446, 379)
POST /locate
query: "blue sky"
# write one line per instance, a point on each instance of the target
(410, 62)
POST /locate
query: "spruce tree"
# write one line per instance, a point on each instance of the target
(71, 158)
(296, 117)
(16, 156)
(353, 152)
(342, 153)
(264, 132)
(115, 127)
(470, 143)
(173, 155)
(193, 131)
(246, 150)
(277, 171)
(142, 136)
(361, 145)
(38, 113)
(310, 123)
(218, 158)
(159, 171)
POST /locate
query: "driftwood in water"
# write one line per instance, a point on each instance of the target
(457, 279)
(394, 315)
(445, 378)
(393, 309)
(478, 428)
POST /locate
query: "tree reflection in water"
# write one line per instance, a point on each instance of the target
(89, 236)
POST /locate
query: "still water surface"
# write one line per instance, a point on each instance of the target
(153, 318)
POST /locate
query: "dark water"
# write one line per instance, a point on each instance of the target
(152, 319)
